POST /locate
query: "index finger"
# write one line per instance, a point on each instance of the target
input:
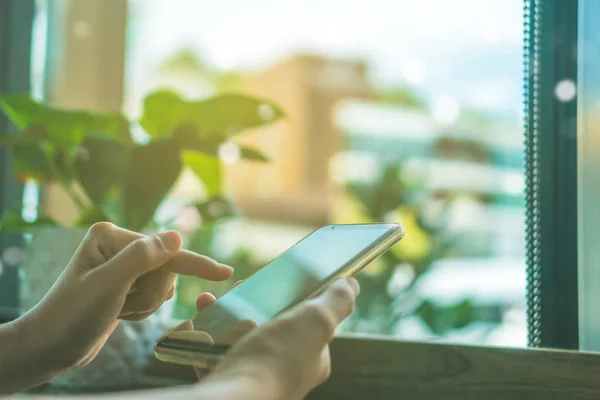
(192, 264)
(111, 239)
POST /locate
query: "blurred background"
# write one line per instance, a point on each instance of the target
(403, 110)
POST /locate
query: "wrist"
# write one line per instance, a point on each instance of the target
(36, 354)
(20, 366)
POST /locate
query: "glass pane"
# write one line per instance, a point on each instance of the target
(588, 99)
(395, 112)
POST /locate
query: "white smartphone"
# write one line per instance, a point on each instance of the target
(301, 272)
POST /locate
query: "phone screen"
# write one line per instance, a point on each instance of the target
(293, 276)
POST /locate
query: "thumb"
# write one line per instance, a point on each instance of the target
(143, 255)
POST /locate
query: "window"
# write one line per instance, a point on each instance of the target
(587, 135)
(404, 110)
(395, 112)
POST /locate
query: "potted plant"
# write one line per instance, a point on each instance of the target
(110, 175)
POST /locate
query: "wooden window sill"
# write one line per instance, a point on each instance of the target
(384, 368)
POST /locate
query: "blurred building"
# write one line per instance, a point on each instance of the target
(295, 186)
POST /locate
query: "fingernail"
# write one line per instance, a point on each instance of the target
(171, 240)
(354, 283)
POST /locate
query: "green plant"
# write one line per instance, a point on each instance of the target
(124, 181)
(379, 309)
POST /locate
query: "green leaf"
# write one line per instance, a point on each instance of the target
(230, 114)
(252, 154)
(34, 134)
(65, 128)
(12, 221)
(163, 112)
(90, 216)
(22, 110)
(221, 116)
(100, 166)
(187, 138)
(32, 158)
(207, 168)
(152, 171)
(31, 161)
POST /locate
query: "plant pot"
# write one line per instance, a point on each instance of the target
(121, 361)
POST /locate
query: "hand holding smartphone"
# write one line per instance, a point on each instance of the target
(300, 273)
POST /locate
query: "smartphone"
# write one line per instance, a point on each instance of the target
(301, 272)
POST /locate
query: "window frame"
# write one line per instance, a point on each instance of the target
(551, 31)
(16, 23)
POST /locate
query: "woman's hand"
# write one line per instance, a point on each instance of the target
(115, 274)
(288, 357)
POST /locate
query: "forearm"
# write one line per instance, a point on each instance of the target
(219, 389)
(220, 386)
(23, 363)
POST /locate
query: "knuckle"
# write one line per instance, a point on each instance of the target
(312, 307)
(321, 319)
(143, 249)
(342, 293)
(157, 242)
(313, 310)
(100, 229)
